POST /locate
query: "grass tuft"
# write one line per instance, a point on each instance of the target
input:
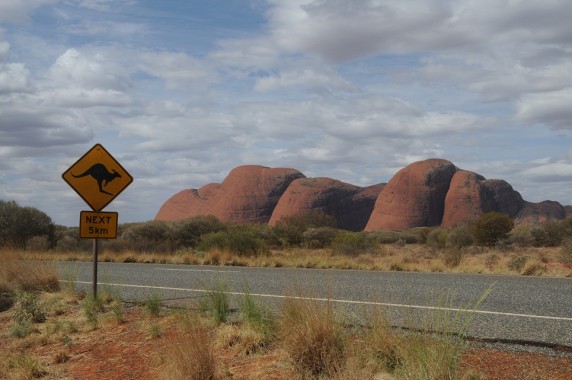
(216, 302)
(27, 276)
(190, 354)
(312, 339)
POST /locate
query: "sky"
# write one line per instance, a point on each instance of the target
(182, 91)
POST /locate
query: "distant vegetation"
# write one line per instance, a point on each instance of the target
(207, 240)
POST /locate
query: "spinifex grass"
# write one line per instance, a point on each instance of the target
(435, 352)
(311, 337)
(216, 302)
(190, 354)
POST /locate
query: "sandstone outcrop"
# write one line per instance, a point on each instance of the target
(349, 205)
(423, 194)
(535, 213)
(471, 195)
(247, 195)
(414, 197)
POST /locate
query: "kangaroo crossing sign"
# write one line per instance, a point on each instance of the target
(97, 177)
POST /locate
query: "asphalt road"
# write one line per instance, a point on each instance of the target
(535, 309)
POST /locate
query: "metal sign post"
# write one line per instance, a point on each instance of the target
(95, 253)
(98, 178)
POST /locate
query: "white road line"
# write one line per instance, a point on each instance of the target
(198, 270)
(339, 301)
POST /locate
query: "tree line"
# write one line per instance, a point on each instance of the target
(29, 228)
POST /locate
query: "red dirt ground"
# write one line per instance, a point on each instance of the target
(129, 351)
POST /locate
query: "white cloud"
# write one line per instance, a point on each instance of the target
(559, 171)
(179, 70)
(14, 77)
(80, 98)
(18, 11)
(550, 108)
(89, 70)
(306, 78)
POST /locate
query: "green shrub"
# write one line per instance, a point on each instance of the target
(437, 237)
(491, 227)
(522, 236)
(319, 237)
(290, 229)
(19, 224)
(242, 240)
(188, 232)
(29, 308)
(353, 243)
(550, 234)
(459, 236)
(152, 236)
(21, 330)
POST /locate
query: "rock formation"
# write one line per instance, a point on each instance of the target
(535, 213)
(414, 197)
(471, 195)
(426, 193)
(349, 205)
(247, 195)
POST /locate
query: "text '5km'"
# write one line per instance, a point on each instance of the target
(98, 225)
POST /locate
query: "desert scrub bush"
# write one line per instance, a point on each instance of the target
(242, 240)
(437, 237)
(188, 232)
(521, 236)
(290, 229)
(20, 224)
(152, 236)
(311, 337)
(28, 308)
(565, 256)
(24, 366)
(452, 257)
(319, 237)
(353, 243)
(550, 234)
(491, 227)
(386, 237)
(516, 263)
(459, 236)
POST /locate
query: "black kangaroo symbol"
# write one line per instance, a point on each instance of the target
(100, 173)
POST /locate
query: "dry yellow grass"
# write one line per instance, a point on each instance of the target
(535, 261)
(17, 274)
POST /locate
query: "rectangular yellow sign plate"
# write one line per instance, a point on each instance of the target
(98, 225)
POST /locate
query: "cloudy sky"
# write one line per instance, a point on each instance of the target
(182, 91)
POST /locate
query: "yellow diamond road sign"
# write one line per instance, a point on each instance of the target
(97, 177)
